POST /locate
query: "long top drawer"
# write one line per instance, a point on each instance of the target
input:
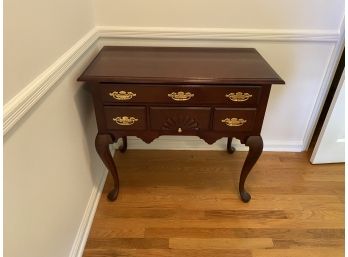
(247, 96)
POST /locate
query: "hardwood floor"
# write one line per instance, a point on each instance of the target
(186, 204)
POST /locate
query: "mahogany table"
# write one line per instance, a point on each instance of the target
(206, 92)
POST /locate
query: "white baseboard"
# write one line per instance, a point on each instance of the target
(87, 219)
(195, 143)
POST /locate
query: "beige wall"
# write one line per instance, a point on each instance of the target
(38, 32)
(50, 166)
(50, 169)
(265, 14)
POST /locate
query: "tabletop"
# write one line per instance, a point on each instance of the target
(175, 65)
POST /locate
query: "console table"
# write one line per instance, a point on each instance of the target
(206, 92)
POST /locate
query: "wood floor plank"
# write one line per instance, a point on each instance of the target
(219, 223)
(186, 203)
(195, 199)
(286, 234)
(166, 253)
(306, 243)
(152, 213)
(329, 174)
(307, 252)
(220, 243)
(131, 243)
(246, 214)
(116, 232)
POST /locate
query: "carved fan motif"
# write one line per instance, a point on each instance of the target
(183, 122)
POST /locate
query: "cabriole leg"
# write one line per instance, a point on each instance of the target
(230, 148)
(123, 147)
(102, 142)
(255, 144)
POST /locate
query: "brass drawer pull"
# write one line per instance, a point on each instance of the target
(181, 96)
(239, 96)
(122, 95)
(125, 121)
(234, 122)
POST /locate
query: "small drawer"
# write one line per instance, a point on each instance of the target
(244, 96)
(125, 118)
(180, 119)
(233, 95)
(119, 93)
(234, 119)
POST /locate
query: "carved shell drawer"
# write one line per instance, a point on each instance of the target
(180, 119)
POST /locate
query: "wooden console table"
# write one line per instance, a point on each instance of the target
(206, 92)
